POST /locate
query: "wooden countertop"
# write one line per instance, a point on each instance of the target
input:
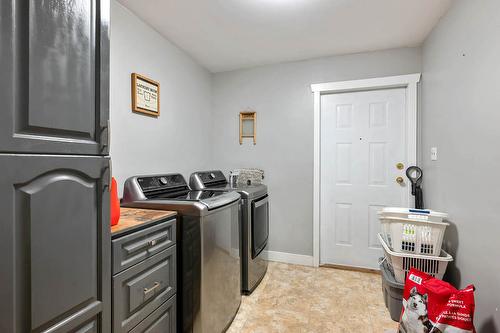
(132, 218)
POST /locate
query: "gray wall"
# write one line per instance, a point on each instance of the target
(177, 141)
(461, 116)
(284, 103)
(198, 129)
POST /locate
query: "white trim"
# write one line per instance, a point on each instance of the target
(316, 177)
(375, 83)
(289, 258)
(403, 81)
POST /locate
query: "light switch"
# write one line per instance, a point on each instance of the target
(434, 154)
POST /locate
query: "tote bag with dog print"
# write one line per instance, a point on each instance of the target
(434, 306)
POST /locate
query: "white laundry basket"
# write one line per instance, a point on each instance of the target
(413, 230)
(401, 263)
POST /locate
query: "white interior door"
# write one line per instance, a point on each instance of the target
(363, 138)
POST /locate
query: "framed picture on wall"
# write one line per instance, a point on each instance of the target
(145, 95)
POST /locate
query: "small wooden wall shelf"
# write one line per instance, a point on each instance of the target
(248, 121)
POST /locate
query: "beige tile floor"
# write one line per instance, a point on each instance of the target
(294, 298)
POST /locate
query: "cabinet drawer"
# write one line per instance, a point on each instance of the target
(162, 320)
(139, 290)
(132, 249)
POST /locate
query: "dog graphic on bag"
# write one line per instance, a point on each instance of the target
(414, 319)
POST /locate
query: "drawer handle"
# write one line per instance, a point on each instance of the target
(157, 240)
(153, 288)
(145, 243)
(153, 242)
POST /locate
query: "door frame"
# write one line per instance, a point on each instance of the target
(409, 82)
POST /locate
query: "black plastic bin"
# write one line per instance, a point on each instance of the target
(392, 290)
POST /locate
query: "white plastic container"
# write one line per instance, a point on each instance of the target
(413, 230)
(401, 263)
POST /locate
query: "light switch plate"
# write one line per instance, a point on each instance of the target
(434, 154)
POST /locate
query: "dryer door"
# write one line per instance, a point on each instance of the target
(260, 225)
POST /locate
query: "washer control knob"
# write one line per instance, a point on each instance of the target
(163, 180)
(212, 176)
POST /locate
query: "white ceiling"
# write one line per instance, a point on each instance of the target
(230, 34)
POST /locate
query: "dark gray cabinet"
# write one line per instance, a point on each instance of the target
(55, 240)
(145, 280)
(54, 244)
(54, 92)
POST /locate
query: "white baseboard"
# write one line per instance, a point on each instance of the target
(290, 258)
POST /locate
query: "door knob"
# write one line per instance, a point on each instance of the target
(400, 180)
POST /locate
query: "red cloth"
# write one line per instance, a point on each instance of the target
(115, 203)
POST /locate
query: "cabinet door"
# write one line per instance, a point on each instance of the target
(54, 92)
(55, 240)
